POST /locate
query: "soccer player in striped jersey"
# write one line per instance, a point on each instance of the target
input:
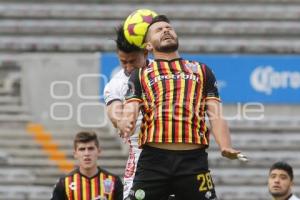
(130, 57)
(88, 181)
(174, 95)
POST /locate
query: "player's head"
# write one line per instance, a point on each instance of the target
(161, 36)
(86, 149)
(130, 56)
(280, 179)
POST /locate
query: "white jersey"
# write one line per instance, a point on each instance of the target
(116, 89)
(293, 197)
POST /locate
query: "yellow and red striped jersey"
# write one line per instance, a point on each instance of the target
(76, 186)
(173, 95)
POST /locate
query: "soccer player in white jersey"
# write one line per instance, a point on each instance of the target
(281, 181)
(130, 57)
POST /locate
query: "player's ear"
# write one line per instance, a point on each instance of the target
(292, 184)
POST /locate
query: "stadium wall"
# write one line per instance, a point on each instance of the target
(62, 89)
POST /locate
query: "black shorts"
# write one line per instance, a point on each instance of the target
(163, 172)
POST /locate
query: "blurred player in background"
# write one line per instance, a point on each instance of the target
(130, 58)
(175, 94)
(88, 181)
(281, 181)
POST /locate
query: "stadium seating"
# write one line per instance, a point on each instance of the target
(24, 193)
(11, 109)
(239, 26)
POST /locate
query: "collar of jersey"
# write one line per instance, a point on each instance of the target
(175, 59)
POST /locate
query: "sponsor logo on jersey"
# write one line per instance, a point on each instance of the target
(208, 194)
(72, 186)
(174, 77)
(149, 69)
(140, 194)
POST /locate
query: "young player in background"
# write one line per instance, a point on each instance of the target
(88, 181)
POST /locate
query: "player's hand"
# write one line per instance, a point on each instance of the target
(234, 154)
(126, 128)
(230, 153)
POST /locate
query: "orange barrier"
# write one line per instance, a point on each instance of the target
(49, 146)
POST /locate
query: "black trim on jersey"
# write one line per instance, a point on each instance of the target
(59, 192)
(211, 88)
(110, 102)
(289, 196)
(134, 86)
(165, 60)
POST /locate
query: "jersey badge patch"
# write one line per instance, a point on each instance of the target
(108, 186)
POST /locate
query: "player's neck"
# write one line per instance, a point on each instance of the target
(166, 56)
(89, 172)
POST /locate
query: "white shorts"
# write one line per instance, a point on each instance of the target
(134, 154)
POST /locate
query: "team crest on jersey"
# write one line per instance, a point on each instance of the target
(192, 66)
(72, 186)
(108, 186)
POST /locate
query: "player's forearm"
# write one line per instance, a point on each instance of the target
(219, 126)
(221, 133)
(114, 112)
(129, 117)
(220, 129)
(130, 112)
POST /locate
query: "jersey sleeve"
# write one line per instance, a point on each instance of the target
(59, 191)
(112, 91)
(211, 86)
(134, 92)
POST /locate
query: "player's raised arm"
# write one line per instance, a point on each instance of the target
(114, 105)
(220, 129)
(129, 118)
(132, 105)
(214, 112)
(114, 112)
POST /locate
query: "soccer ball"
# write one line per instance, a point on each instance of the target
(136, 25)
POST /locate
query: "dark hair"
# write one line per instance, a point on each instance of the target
(158, 18)
(85, 137)
(283, 166)
(123, 44)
